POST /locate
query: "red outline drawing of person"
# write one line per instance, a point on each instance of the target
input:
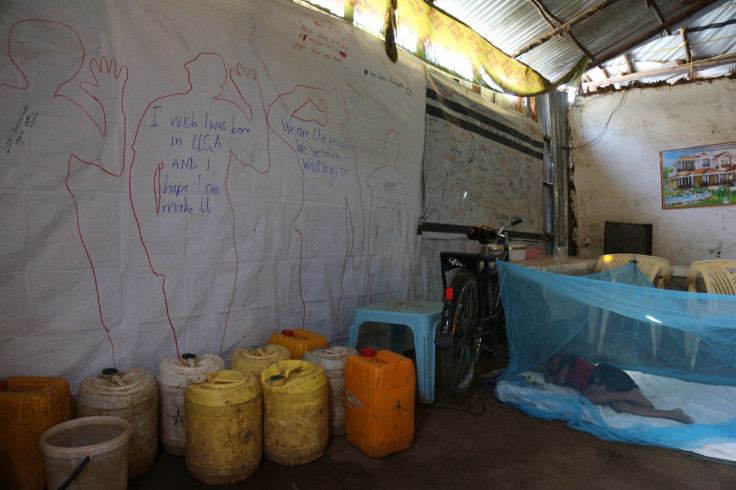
(48, 57)
(388, 219)
(311, 121)
(184, 146)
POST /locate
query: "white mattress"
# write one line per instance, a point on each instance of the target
(706, 404)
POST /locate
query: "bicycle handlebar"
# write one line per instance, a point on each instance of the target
(485, 234)
(513, 223)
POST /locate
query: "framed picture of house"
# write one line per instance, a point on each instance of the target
(699, 176)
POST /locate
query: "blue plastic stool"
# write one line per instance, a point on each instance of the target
(422, 317)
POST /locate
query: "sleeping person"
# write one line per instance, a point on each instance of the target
(604, 384)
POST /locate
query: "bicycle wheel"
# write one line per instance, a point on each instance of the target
(458, 360)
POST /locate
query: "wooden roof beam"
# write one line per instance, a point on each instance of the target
(629, 64)
(663, 72)
(547, 15)
(686, 45)
(653, 7)
(582, 17)
(694, 8)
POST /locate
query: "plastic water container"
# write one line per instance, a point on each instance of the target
(133, 396)
(256, 358)
(224, 440)
(295, 412)
(91, 451)
(299, 341)
(173, 378)
(333, 361)
(379, 408)
(28, 407)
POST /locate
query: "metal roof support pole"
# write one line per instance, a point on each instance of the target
(554, 108)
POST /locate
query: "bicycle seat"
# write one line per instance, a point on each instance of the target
(482, 233)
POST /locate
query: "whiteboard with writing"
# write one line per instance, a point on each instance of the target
(482, 164)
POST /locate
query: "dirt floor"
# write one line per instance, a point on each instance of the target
(455, 448)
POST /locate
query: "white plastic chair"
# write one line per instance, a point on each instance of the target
(719, 277)
(656, 269)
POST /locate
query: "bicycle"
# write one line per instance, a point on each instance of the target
(472, 313)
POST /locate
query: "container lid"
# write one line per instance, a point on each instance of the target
(172, 368)
(270, 352)
(368, 352)
(293, 375)
(225, 387)
(112, 380)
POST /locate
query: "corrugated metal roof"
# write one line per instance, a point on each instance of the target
(544, 34)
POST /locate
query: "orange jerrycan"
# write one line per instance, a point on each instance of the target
(299, 341)
(28, 407)
(379, 402)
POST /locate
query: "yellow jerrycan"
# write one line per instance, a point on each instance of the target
(224, 441)
(295, 412)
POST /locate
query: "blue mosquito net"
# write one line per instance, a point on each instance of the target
(679, 348)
